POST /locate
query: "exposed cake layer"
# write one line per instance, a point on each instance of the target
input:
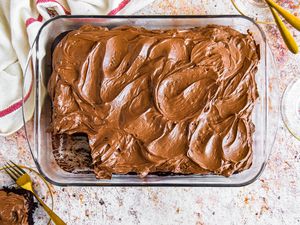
(175, 101)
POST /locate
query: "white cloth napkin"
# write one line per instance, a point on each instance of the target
(19, 24)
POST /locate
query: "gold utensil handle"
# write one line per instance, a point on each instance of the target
(290, 18)
(286, 35)
(55, 218)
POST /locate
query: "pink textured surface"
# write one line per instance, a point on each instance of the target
(273, 199)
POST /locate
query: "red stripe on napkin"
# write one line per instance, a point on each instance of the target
(119, 8)
(31, 20)
(16, 105)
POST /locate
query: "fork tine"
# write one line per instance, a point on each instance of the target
(11, 175)
(18, 168)
(8, 171)
(12, 170)
(16, 171)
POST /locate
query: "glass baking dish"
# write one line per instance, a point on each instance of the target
(264, 116)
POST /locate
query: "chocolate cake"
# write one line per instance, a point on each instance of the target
(16, 207)
(170, 101)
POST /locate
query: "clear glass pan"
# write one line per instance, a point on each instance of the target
(265, 114)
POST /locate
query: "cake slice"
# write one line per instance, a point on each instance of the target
(16, 207)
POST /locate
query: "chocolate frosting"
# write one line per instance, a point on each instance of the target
(13, 209)
(149, 101)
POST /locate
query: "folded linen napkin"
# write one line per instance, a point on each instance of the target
(19, 24)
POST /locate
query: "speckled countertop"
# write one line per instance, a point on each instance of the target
(273, 199)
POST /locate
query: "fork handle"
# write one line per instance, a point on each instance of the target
(286, 35)
(55, 218)
(290, 18)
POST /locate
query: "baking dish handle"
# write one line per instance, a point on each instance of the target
(28, 106)
(272, 102)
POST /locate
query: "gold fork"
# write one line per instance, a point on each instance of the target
(285, 33)
(24, 181)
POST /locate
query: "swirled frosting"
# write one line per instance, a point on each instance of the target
(13, 209)
(176, 101)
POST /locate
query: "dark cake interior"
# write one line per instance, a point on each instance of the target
(130, 100)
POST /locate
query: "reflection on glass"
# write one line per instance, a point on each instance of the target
(255, 9)
(290, 108)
